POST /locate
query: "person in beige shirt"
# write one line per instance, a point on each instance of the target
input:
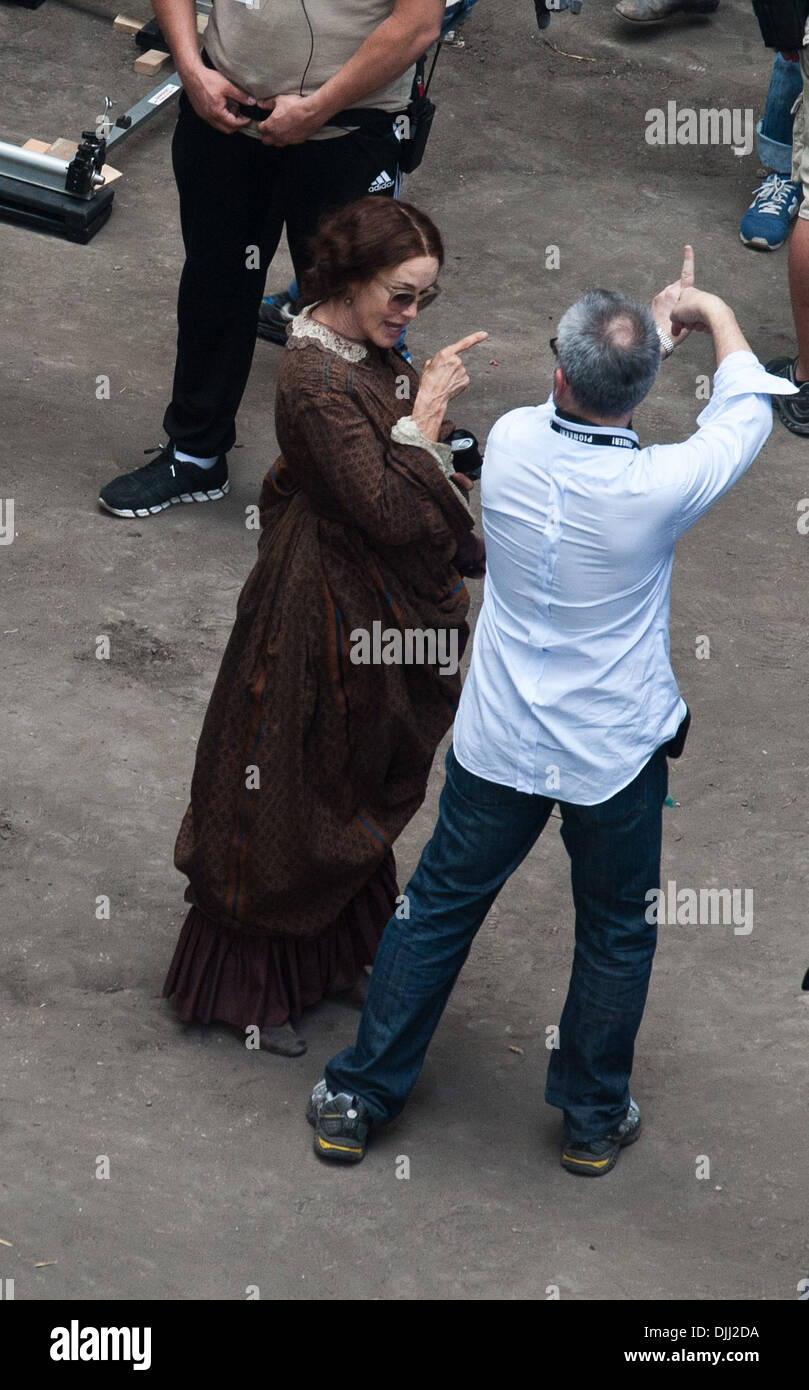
(283, 48)
(262, 144)
(278, 308)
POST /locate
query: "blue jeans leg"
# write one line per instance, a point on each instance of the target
(455, 14)
(614, 850)
(484, 831)
(774, 131)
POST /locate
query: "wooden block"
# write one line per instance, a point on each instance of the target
(125, 25)
(38, 146)
(63, 149)
(202, 23)
(151, 61)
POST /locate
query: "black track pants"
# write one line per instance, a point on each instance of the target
(236, 195)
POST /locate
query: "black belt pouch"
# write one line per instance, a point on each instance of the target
(675, 745)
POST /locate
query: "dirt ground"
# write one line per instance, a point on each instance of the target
(212, 1184)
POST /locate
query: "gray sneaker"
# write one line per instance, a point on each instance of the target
(595, 1159)
(341, 1123)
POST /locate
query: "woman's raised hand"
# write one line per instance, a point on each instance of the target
(446, 373)
(444, 377)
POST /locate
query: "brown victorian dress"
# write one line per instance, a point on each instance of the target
(309, 765)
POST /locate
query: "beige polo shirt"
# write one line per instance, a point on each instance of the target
(268, 49)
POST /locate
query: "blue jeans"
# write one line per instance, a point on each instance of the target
(455, 14)
(484, 832)
(774, 130)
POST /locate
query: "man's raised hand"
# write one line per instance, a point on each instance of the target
(697, 309)
(663, 303)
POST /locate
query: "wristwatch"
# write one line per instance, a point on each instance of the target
(666, 342)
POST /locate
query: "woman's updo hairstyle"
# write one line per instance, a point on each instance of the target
(355, 243)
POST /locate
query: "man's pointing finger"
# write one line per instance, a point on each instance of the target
(687, 272)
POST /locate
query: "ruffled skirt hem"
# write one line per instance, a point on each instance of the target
(219, 973)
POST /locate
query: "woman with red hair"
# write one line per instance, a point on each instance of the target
(311, 762)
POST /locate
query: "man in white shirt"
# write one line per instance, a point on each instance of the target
(570, 699)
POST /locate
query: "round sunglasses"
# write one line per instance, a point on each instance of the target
(402, 299)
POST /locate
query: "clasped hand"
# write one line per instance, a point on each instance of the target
(681, 307)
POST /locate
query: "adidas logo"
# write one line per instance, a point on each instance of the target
(381, 181)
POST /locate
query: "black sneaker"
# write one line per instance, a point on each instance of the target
(595, 1159)
(341, 1123)
(275, 314)
(163, 482)
(793, 410)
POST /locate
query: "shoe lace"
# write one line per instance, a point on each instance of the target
(773, 194)
(165, 454)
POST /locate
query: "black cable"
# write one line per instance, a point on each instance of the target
(432, 69)
(312, 46)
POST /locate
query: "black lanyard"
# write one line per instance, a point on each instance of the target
(608, 441)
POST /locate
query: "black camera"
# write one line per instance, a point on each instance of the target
(465, 453)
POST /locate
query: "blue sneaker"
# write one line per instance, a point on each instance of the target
(275, 314)
(766, 222)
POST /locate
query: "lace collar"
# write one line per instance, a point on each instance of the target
(304, 326)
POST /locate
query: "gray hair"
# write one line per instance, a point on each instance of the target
(609, 350)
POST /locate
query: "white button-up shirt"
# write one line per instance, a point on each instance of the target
(570, 689)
